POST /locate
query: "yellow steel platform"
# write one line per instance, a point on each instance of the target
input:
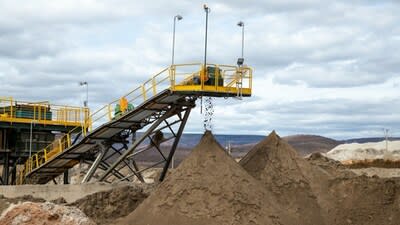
(41, 113)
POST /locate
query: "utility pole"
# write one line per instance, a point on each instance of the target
(386, 134)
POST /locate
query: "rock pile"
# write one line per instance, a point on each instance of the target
(29, 213)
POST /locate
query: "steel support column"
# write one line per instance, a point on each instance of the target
(175, 144)
(6, 168)
(166, 115)
(66, 177)
(95, 164)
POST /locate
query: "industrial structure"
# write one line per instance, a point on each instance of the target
(27, 127)
(158, 109)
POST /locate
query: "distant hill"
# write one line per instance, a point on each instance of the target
(241, 144)
(190, 140)
(365, 140)
(307, 144)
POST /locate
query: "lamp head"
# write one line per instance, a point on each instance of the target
(206, 8)
(240, 24)
(240, 61)
(179, 17)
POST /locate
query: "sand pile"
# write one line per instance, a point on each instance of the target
(366, 201)
(209, 187)
(104, 207)
(331, 166)
(371, 150)
(29, 213)
(289, 177)
(320, 189)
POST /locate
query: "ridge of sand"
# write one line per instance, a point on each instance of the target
(289, 177)
(209, 187)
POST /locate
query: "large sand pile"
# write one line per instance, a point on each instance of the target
(289, 177)
(370, 150)
(321, 188)
(29, 213)
(209, 187)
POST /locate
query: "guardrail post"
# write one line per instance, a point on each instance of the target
(250, 78)
(65, 116)
(216, 77)
(144, 92)
(84, 129)
(109, 112)
(37, 160)
(12, 107)
(68, 140)
(60, 145)
(153, 83)
(90, 124)
(172, 70)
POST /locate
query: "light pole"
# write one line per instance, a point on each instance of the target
(207, 10)
(241, 59)
(177, 17)
(386, 133)
(85, 83)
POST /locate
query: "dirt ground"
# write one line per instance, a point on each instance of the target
(271, 185)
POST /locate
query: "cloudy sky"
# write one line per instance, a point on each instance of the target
(320, 67)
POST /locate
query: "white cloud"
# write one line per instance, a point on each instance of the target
(329, 68)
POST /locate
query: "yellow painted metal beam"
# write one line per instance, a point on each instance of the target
(42, 122)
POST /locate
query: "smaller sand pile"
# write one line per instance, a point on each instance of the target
(29, 213)
(106, 206)
(277, 165)
(209, 187)
(333, 167)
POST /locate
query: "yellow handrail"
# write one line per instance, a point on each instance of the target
(175, 78)
(13, 111)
